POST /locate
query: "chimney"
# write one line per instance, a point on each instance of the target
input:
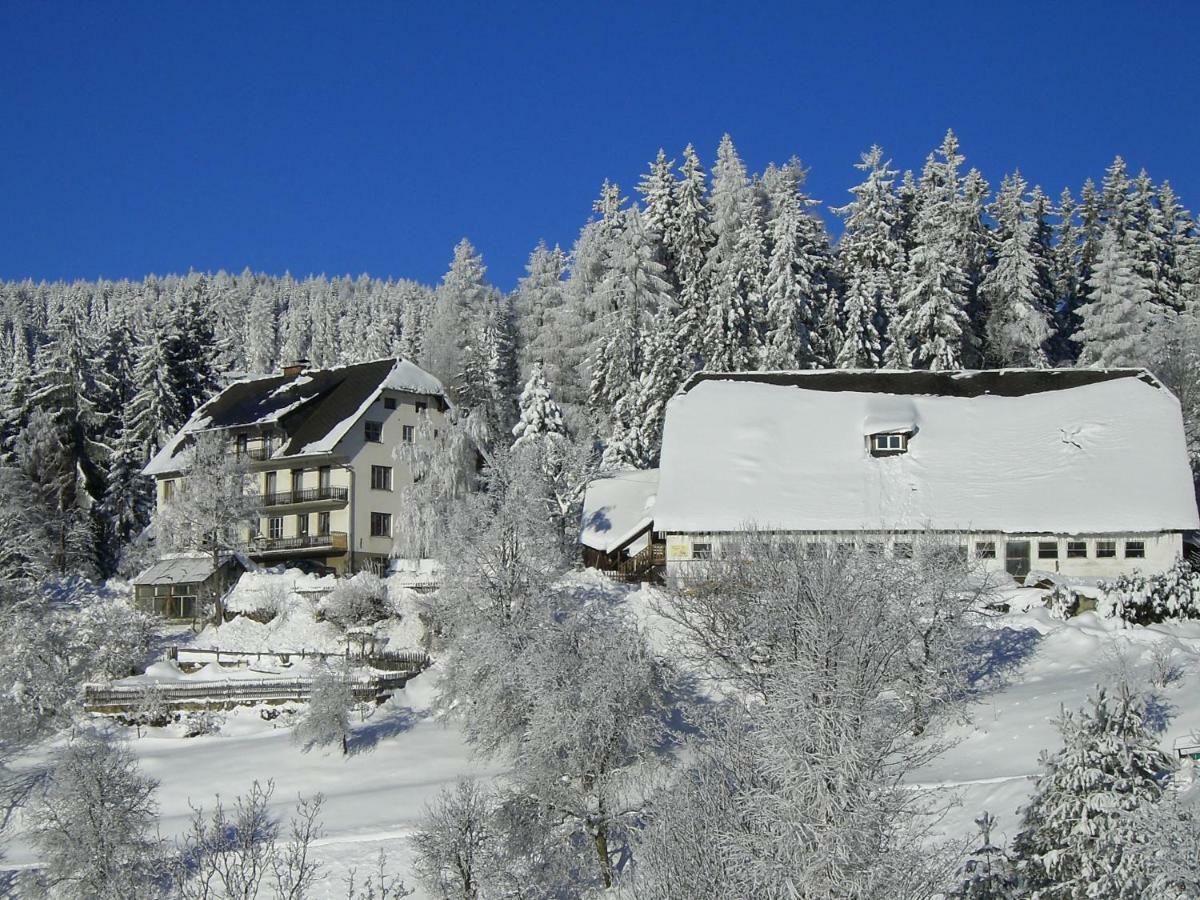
(292, 369)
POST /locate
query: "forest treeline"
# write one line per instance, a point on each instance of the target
(710, 268)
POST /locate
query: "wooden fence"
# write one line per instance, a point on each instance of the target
(386, 660)
(114, 697)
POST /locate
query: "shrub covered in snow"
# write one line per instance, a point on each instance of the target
(360, 600)
(1146, 599)
(112, 637)
(327, 717)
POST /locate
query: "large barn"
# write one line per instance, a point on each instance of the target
(1078, 471)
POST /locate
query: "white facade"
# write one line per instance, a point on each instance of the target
(338, 500)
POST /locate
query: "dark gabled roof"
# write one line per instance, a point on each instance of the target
(314, 408)
(956, 383)
(265, 399)
(343, 391)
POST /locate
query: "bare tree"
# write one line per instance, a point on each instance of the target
(236, 854)
(454, 840)
(93, 823)
(213, 506)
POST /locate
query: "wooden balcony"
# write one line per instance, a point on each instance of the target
(333, 495)
(331, 544)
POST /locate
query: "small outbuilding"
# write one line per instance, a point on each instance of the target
(618, 519)
(176, 586)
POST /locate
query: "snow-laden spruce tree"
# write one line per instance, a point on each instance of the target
(634, 289)
(262, 333)
(1016, 290)
(795, 288)
(657, 188)
(636, 421)
(1080, 830)
(688, 242)
(734, 269)
(933, 331)
(988, 874)
(870, 262)
(541, 312)
(93, 825)
(540, 416)
(1116, 318)
(458, 303)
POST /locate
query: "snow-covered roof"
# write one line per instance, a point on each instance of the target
(182, 568)
(315, 408)
(616, 509)
(1066, 451)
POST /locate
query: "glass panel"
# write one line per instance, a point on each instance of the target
(1016, 558)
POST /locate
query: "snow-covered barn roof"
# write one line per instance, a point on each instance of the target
(183, 568)
(1060, 450)
(315, 408)
(618, 508)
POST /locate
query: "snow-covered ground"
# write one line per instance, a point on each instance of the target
(404, 754)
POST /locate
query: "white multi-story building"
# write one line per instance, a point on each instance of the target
(1078, 471)
(322, 443)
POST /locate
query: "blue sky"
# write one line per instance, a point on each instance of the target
(370, 137)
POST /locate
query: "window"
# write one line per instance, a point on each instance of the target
(389, 402)
(420, 406)
(1135, 549)
(323, 524)
(373, 432)
(168, 490)
(381, 524)
(407, 434)
(701, 551)
(1106, 549)
(872, 548)
(269, 485)
(297, 481)
(1076, 549)
(985, 549)
(381, 478)
(887, 444)
(1047, 549)
(275, 527)
(302, 525)
(323, 474)
(902, 549)
(814, 550)
(242, 441)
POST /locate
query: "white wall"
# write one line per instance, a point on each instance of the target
(1161, 549)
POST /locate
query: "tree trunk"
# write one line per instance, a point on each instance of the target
(600, 839)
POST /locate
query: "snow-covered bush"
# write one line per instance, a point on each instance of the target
(152, 711)
(1062, 602)
(360, 600)
(455, 841)
(111, 638)
(37, 685)
(201, 722)
(326, 718)
(93, 824)
(1146, 599)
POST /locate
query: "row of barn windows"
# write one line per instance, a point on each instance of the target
(1075, 549)
(1105, 549)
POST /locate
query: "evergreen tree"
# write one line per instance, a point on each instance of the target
(634, 290)
(1079, 831)
(688, 241)
(1116, 317)
(262, 332)
(1068, 286)
(657, 188)
(540, 415)
(460, 301)
(735, 268)
(790, 287)
(542, 313)
(870, 261)
(1014, 291)
(931, 332)
(14, 401)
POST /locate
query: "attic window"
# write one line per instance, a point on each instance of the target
(389, 402)
(888, 444)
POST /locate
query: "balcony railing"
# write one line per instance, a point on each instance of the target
(335, 540)
(257, 454)
(311, 495)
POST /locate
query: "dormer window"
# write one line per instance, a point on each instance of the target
(889, 444)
